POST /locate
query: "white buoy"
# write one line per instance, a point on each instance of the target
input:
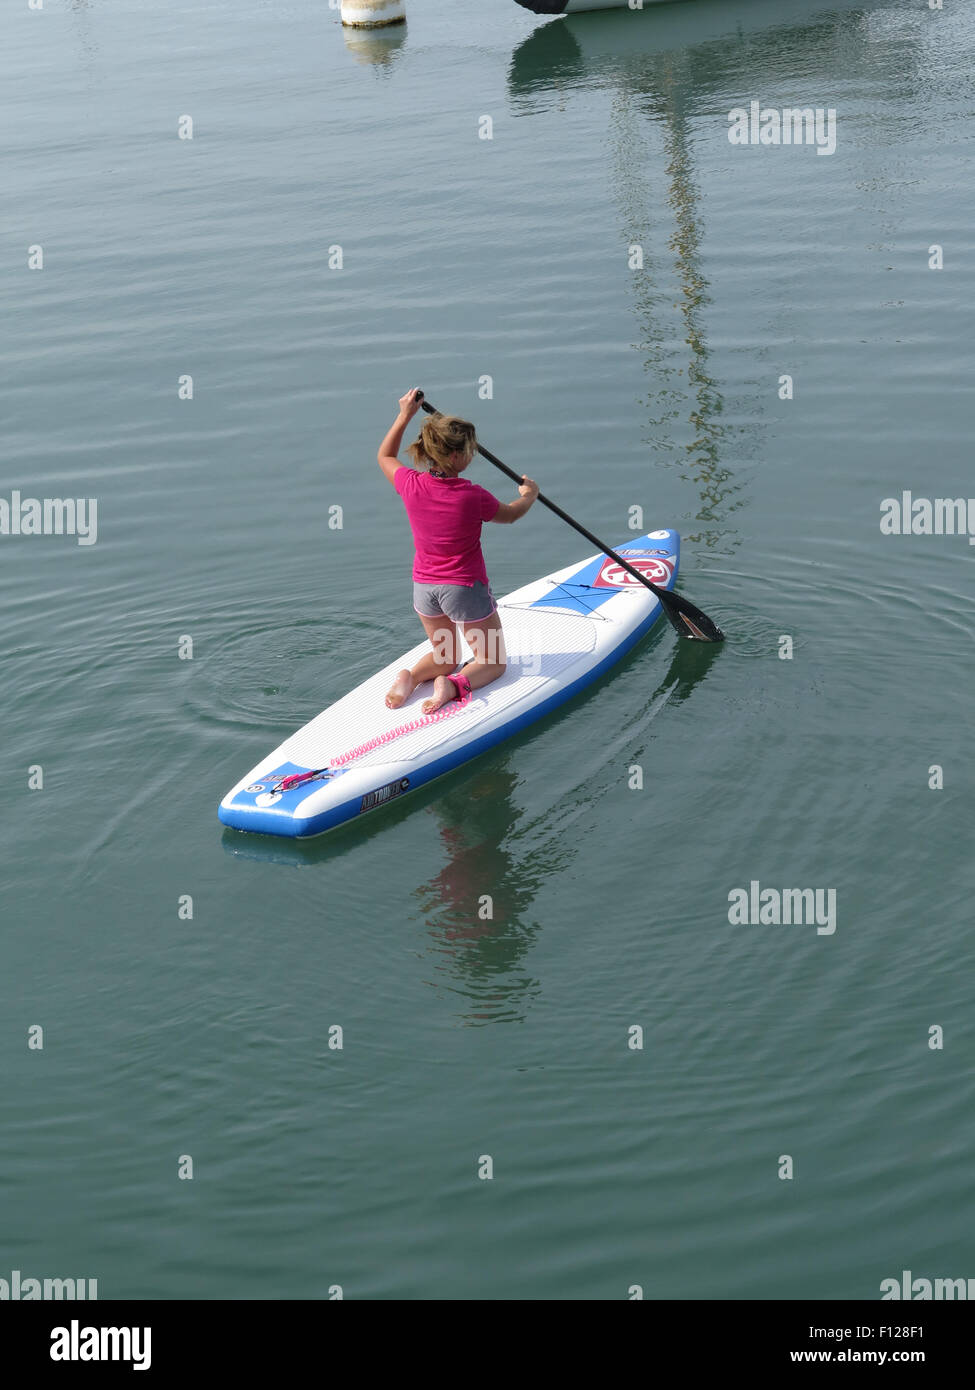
(372, 14)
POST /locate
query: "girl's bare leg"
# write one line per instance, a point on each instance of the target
(486, 641)
(445, 653)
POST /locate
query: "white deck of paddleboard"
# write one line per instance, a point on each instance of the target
(542, 644)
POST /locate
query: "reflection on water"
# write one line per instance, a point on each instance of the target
(477, 907)
(82, 30)
(378, 48)
(682, 402)
(496, 861)
(663, 73)
(689, 665)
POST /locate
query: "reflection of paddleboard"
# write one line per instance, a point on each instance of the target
(561, 633)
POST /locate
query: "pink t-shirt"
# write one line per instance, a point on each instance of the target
(445, 517)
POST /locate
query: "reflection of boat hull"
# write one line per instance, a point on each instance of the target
(562, 633)
(572, 6)
(722, 46)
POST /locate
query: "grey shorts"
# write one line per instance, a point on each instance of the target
(461, 603)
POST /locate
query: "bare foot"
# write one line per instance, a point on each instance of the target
(443, 692)
(401, 689)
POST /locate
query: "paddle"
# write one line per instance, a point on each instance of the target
(686, 618)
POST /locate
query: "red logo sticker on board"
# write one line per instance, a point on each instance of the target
(614, 576)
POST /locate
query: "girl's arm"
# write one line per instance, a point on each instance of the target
(390, 446)
(511, 511)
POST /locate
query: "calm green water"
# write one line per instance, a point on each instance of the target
(657, 387)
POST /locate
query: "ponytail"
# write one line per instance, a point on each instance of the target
(440, 438)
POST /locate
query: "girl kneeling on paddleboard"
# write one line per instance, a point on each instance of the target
(450, 583)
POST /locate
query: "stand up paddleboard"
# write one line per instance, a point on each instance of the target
(561, 634)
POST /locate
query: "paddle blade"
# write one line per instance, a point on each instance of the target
(688, 620)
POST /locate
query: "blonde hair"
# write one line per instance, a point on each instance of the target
(440, 438)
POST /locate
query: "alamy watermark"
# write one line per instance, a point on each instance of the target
(50, 516)
(77, 1343)
(907, 1287)
(756, 124)
(908, 515)
(756, 906)
(17, 1288)
(494, 647)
